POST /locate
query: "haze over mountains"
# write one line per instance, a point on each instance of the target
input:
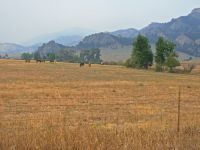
(69, 37)
(184, 31)
(16, 48)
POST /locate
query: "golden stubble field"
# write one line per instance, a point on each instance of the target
(63, 106)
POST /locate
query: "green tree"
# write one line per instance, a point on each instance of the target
(142, 55)
(84, 55)
(51, 56)
(6, 56)
(92, 56)
(37, 56)
(26, 56)
(172, 62)
(160, 54)
(67, 55)
(164, 49)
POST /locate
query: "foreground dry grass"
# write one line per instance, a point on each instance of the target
(63, 106)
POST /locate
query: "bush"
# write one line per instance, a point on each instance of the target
(110, 63)
(130, 63)
(159, 68)
(172, 62)
(27, 56)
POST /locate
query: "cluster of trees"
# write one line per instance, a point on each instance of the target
(165, 55)
(92, 56)
(142, 55)
(27, 56)
(67, 55)
(4, 57)
(37, 56)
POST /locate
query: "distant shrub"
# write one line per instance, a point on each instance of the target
(130, 63)
(110, 63)
(188, 67)
(172, 62)
(121, 63)
(159, 68)
(26, 56)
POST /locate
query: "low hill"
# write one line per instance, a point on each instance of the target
(62, 53)
(50, 47)
(105, 40)
(11, 48)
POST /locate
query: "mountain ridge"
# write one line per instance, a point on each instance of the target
(184, 31)
(103, 39)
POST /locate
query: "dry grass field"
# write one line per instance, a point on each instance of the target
(62, 106)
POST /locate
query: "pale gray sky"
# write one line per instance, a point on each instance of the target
(22, 20)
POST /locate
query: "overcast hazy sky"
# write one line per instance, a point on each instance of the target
(22, 20)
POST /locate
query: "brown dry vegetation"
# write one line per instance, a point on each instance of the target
(63, 106)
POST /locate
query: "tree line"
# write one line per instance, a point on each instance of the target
(142, 56)
(86, 56)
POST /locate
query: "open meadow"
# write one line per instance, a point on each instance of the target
(63, 106)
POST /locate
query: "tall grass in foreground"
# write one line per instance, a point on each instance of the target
(93, 137)
(52, 133)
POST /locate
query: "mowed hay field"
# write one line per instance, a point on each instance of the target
(63, 106)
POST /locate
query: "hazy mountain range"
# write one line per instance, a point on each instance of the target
(69, 37)
(184, 31)
(15, 48)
